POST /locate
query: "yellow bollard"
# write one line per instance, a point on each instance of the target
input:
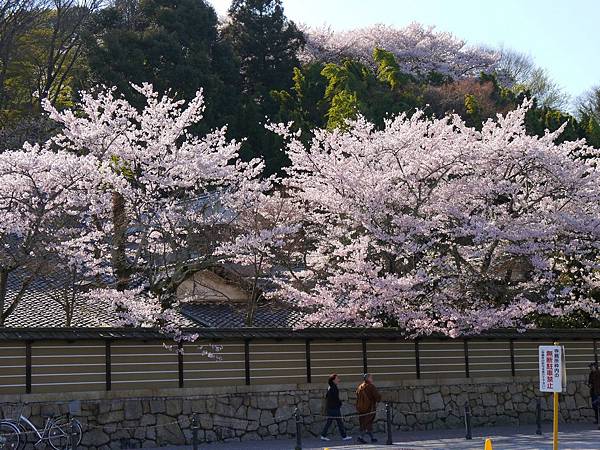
(488, 445)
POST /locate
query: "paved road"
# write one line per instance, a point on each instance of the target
(573, 437)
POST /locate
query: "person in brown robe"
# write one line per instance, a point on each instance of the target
(367, 397)
(594, 384)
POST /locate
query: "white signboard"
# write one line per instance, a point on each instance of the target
(552, 368)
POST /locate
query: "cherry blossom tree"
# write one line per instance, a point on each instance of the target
(49, 206)
(432, 226)
(175, 195)
(419, 50)
(265, 241)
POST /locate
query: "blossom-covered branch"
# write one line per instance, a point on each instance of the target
(433, 226)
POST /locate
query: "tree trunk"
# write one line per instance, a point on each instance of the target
(119, 249)
(251, 311)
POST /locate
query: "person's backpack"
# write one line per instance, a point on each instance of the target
(363, 402)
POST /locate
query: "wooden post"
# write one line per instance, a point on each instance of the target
(308, 368)
(107, 364)
(247, 360)
(466, 348)
(364, 355)
(28, 366)
(512, 357)
(417, 360)
(180, 363)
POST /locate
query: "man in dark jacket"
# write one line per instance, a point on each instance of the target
(333, 409)
(367, 397)
(594, 384)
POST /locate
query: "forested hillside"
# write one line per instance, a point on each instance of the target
(256, 65)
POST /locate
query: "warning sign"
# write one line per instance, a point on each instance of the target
(552, 368)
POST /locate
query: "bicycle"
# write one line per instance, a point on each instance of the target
(10, 436)
(55, 431)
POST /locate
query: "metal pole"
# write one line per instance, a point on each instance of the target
(468, 434)
(71, 431)
(388, 421)
(538, 416)
(298, 430)
(195, 432)
(555, 421)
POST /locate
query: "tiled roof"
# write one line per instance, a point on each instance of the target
(42, 311)
(37, 309)
(228, 315)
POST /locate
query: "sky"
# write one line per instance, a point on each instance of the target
(562, 36)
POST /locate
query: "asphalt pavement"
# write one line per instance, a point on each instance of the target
(571, 437)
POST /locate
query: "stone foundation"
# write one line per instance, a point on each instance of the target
(133, 419)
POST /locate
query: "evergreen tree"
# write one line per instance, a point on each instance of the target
(174, 44)
(267, 45)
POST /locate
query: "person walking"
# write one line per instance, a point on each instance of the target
(333, 406)
(594, 384)
(367, 397)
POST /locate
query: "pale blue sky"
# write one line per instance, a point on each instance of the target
(562, 36)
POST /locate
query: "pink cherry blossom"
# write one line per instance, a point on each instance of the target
(432, 226)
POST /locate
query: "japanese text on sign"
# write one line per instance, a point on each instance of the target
(551, 368)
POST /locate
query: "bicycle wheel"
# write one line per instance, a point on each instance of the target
(10, 438)
(58, 434)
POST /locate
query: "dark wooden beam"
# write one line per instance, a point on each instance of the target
(364, 356)
(247, 360)
(108, 364)
(417, 360)
(466, 348)
(513, 370)
(28, 366)
(308, 368)
(180, 363)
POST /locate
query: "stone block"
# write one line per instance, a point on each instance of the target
(173, 407)
(570, 403)
(404, 396)
(232, 423)
(95, 437)
(284, 413)
(267, 402)
(206, 421)
(436, 401)
(167, 432)
(148, 420)
(224, 410)
(266, 418)
(157, 406)
(253, 414)
(489, 400)
(111, 417)
(133, 409)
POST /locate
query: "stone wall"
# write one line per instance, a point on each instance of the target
(134, 419)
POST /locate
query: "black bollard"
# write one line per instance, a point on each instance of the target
(388, 421)
(538, 416)
(298, 430)
(195, 432)
(468, 434)
(72, 433)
